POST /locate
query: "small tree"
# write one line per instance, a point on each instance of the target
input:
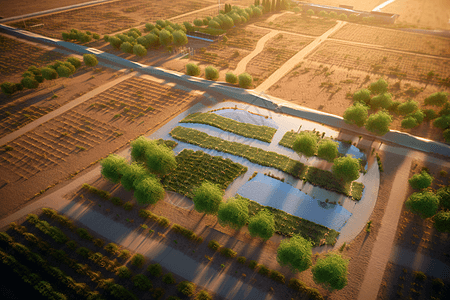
(192, 69)
(139, 50)
(126, 47)
(138, 260)
(8, 88)
(179, 38)
(30, 82)
(446, 135)
(381, 101)
(327, 150)
(262, 225)
(115, 42)
(207, 198)
(203, 295)
(331, 272)
(148, 191)
(63, 71)
(356, 114)
(160, 159)
(295, 253)
(421, 181)
(49, 73)
(90, 60)
(245, 80)
(198, 22)
(152, 39)
(132, 174)
(379, 87)
(442, 221)
(409, 122)
(408, 107)
(442, 122)
(437, 99)
(424, 204)
(231, 78)
(187, 288)
(346, 168)
(74, 61)
(379, 123)
(306, 143)
(211, 73)
(143, 41)
(165, 37)
(112, 167)
(233, 213)
(142, 282)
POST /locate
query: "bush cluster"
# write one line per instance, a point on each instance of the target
(82, 37)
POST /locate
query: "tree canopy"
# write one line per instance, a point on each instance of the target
(383, 100)
(444, 196)
(233, 213)
(442, 221)
(379, 123)
(408, 107)
(424, 204)
(132, 174)
(148, 190)
(346, 168)
(295, 253)
(306, 143)
(179, 38)
(331, 272)
(378, 87)
(421, 181)
(328, 150)
(437, 99)
(356, 114)
(112, 167)
(207, 198)
(165, 37)
(160, 159)
(262, 225)
(90, 60)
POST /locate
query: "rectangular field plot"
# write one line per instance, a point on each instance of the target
(299, 24)
(110, 17)
(10, 123)
(50, 143)
(195, 167)
(16, 56)
(395, 39)
(380, 61)
(137, 97)
(276, 52)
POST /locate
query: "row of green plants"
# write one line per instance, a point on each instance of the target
(429, 203)
(342, 16)
(264, 158)
(82, 37)
(34, 75)
(140, 281)
(196, 167)
(262, 133)
(244, 80)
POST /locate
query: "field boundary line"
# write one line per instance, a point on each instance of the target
(63, 109)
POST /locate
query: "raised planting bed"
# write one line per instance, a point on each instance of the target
(195, 167)
(357, 190)
(262, 133)
(289, 225)
(326, 180)
(253, 154)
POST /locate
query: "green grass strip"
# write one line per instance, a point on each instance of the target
(262, 133)
(289, 225)
(195, 167)
(357, 190)
(326, 180)
(253, 154)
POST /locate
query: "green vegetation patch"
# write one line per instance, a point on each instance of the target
(327, 180)
(253, 154)
(195, 167)
(357, 190)
(262, 133)
(289, 225)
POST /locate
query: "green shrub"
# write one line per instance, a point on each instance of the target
(83, 251)
(163, 222)
(98, 242)
(437, 99)
(96, 36)
(124, 254)
(213, 245)
(245, 80)
(138, 260)
(126, 47)
(313, 294)
(211, 73)
(381, 101)
(242, 259)
(90, 60)
(409, 122)
(168, 278)
(128, 206)
(418, 275)
(187, 288)
(263, 270)
(8, 88)
(297, 285)
(443, 122)
(332, 15)
(408, 107)
(362, 96)
(310, 12)
(111, 248)
(155, 270)
(142, 282)
(277, 276)
(379, 87)
(203, 295)
(139, 50)
(158, 293)
(231, 78)
(123, 272)
(343, 17)
(323, 14)
(227, 252)
(253, 264)
(83, 233)
(421, 181)
(442, 221)
(425, 204)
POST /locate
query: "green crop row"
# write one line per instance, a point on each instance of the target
(262, 133)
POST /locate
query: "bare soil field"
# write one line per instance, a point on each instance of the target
(16, 56)
(419, 236)
(276, 52)
(431, 14)
(110, 17)
(23, 7)
(325, 87)
(366, 5)
(81, 136)
(402, 65)
(394, 39)
(301, 24)
(24, 107)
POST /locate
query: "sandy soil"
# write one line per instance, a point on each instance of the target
(366, 5)
(23, 7)
(325, 88)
